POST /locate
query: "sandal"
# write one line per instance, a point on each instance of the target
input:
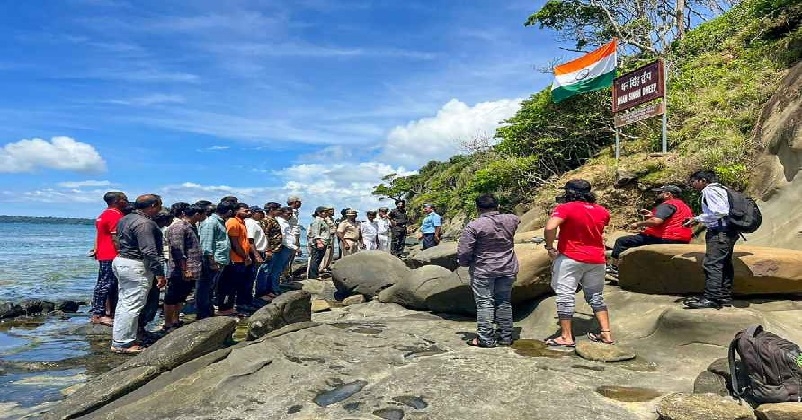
(135, 349)
(598, 338)
(102, 320)
(552, 342)
(478, 343)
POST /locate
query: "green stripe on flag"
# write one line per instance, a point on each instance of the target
(589, 85)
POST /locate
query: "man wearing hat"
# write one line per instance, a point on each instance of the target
(430, 227)
(662, 225)
(328, 258)
(349, 233)
(319, 239)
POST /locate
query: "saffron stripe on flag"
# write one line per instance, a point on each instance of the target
(588, 59)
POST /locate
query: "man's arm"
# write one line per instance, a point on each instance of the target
(236, 246)
(550, 234)
(438, 222)
(466, 246)
(717, 205)
(176, 244)
(146, 234)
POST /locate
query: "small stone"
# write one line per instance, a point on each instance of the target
(720, 367)
(680, 406)
(320, 305)
(628, 393)
(710, 383)
(601, 352)
(353, 300)
(780, 411)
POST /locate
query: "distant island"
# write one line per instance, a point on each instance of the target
(47, 220)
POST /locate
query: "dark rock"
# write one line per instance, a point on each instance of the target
(36, 306)
(68, 306)
(710, 383)
(720, 367)
(10, 310)
(288, 308)
(367, 273)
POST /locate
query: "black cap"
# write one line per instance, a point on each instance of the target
(673, 189)
(257, 209)
(578, 185)
(320, 209)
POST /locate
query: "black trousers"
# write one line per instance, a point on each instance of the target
(232, 282)
(719, 271)
(399, 240)
(315, 259)
(633, 241)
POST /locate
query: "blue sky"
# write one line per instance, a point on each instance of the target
(259, 99)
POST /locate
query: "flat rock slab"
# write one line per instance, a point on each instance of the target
(781, 411)
(320, 305)
(601, 352)
(353, 300)
(680, 406)
(288, 308)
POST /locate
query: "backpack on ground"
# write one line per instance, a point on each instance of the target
(768, 370)
(745, 216)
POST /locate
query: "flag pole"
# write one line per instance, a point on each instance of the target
(665, 106)
(617, 146)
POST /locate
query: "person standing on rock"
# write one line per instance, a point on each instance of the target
(349, 233)
(139, 260)
(265, 291)
(719, 242)
(431, 227)
(216, 256)
(258, 241)
(186, 260)
(231, 289)
(486, 247)
(294, 202)
(663, 225)
(319, 238)
(288, 248)
(398, 222)
(578, 259)
(383, 230)
(369, 230)
(104, 298)
(328, 258)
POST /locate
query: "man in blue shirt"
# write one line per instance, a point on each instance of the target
(430, 228)
(216, 249)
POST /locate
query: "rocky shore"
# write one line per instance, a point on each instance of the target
(397, 351)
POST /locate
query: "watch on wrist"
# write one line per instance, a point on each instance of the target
(548, 247)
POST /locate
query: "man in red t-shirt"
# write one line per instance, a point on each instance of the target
(578, 259)
(104, 298)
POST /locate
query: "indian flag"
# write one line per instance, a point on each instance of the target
(591, 72)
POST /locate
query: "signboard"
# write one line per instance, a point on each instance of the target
(638, 86)
(639, 114)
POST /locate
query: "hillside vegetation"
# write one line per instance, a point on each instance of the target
(720, 75)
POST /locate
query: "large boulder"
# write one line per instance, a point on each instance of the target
(444, 255)
(781, 411)
(288, 308)
(702, 406)
(182, 345)
(534, 275)
(677, 269)
(527, 236)
(367, 273)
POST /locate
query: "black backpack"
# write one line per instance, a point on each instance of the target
(745, 216)
(768, 370)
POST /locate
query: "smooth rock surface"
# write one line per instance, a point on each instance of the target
(710, 383)
(444, 255)
(367, 273)
(288, 308)
(677, 269)
(319, 289)
(680, 406)
(354, 300)
(600, 352)
(781, 411)
(320, 305)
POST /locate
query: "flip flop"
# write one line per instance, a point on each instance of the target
(135, 349)
(597, 338)
(477, 343)
(101, 321)
(552, 342)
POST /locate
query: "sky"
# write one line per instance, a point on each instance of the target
(257, 99)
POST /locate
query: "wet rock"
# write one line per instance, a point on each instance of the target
(710, 383)
(601, 352)
(389, 413)
(288, 308)
(320, 305)
(628, 393)
(367, 273)
(353, 300)
(339, 393)
(182, 345)
(781, 411)
(90, 329)
(68, 306)
(443, 255)
(10, 310)
(36, 306)
(319, 289)
(680, 406)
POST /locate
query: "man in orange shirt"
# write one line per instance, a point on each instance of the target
(230, 290)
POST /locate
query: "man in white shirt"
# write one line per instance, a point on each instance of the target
(370, 232)
(384, 225)
(258, 240)
(719, 242)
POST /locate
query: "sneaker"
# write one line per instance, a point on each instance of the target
(611, 270)
(702, 303)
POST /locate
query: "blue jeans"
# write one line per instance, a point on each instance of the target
(262, 279)
(277, 264)
(203, 291)
(492, 295)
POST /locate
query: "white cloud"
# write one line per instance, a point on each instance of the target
(149, 100)
(438, 137)
(214, 148)
(83, 184)
(60, 153)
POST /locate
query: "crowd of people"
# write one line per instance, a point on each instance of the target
(579, 261)
(232, 256)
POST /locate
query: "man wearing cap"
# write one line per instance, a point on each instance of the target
(328, 258)
(294, 202)
(398, 223)
(662, 225)
(319, 238)
(349, 233)
(383, 230)
(430, 228)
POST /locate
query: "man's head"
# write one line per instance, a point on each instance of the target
(667, 192)
(371, 215)
(350, 214)
(242, 211)
(115, 199)
(285, 212)
(700, 179)
(148, 204)
(230, 199)
(163, 218)
(195, 213)
(577, 190)
(321, 211)
(272, 208)
(178, 209)
(329, 211)
(400, 204)
(225, 209)
(294, 201)
(428, 208)
(486, 203)
(257, 213)
(383, 212)
(207, 205)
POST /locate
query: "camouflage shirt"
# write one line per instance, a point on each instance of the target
(272, 233)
